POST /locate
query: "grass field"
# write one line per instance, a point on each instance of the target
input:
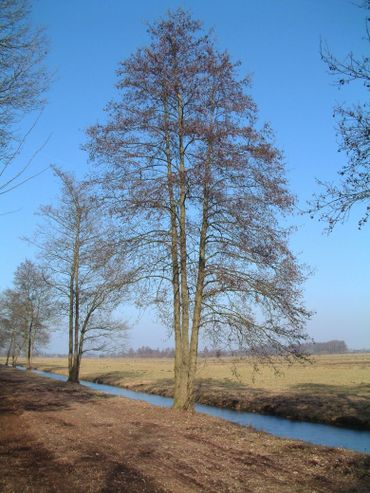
(332, 388)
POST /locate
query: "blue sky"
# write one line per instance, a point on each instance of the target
(278, 43)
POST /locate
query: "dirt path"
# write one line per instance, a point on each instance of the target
(57, 437)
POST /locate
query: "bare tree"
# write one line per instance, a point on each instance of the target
(199, 189)
(23, 82)
(6, 329)
(26, 312)
(35, 305)
(336, 201)
(12, 325)
(86, 271)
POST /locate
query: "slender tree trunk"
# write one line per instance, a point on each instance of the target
(193, 352)
(181, 397)
(74, 314)
(14, 355)
(75, 373)
(12, 343)
(29, 347)
(76, 356)
(70, 323)
(178, 364)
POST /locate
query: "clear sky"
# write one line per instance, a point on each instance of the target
(277, 42)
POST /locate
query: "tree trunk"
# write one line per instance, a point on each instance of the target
(74, 373)
(178, 364)
(29, 347)
(14, 355)
(70, 323)
(182, 399)
(183, 245)
(187, 357)
(12, 342)
(74, 313)
(193, 352)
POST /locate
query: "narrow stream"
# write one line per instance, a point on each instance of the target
(315, 433)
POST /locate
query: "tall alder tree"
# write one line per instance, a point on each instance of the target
(199, 190)
(337, 199)
(85, 269)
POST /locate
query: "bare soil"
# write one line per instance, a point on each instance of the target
(58, 437)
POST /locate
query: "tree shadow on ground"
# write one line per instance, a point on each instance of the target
(125, 479)
(32, 467)
(25, 391)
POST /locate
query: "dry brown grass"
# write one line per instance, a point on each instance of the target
(338, 370)
(65, 439)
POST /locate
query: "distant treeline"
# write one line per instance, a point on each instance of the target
(329, 347)
(143, 352)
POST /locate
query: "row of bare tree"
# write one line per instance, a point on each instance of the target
(80, 279)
